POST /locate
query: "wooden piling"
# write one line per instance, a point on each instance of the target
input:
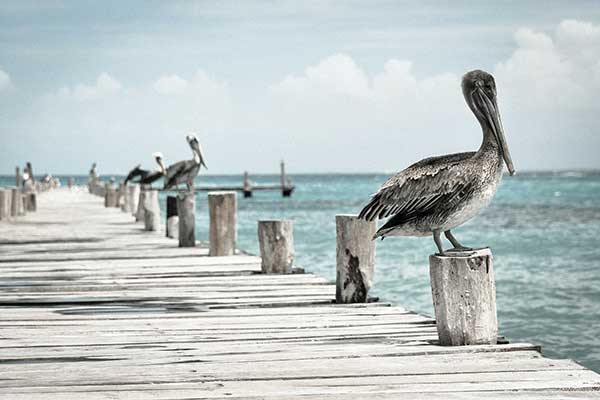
(31, 204)
(355, 258)
(18, 177)
(151, 211)
(71, 183)
(5, 202)
(124, 197)
(133, 193)
(186, 211)
(139, 214)
(247, 188)
(110, 196)
(276, 242)
(464, 298)
(16, 202)
(172, 222)
(222, 208)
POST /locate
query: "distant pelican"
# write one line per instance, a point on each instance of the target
(146, 176)
(187, 170)
(438, 194)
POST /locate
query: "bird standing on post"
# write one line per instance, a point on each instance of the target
(187, 170)
(438, 194)
(146, 176)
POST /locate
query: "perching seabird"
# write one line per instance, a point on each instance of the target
(145, 176)
(187, 170)
(438, 194)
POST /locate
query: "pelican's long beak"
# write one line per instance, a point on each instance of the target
(490, 109)
(198, 149)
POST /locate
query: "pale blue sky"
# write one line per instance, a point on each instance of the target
(325, 85)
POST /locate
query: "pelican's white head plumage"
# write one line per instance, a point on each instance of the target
(192, 140)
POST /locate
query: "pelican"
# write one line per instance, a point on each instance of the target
(440, 193)
(187, 170)
(145, 176)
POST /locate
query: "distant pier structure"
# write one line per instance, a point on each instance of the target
(286, 187)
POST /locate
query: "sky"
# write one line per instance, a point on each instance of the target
(329, 86)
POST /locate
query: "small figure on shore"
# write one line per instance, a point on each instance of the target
(145, 176)
(440, 193)
(187, 170)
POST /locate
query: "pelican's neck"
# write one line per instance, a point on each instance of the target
(489, 142)
(196, 157)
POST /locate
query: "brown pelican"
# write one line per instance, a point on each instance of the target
(187, 170)
(145, 176)
(438, 194)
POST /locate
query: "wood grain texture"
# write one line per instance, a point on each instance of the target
(94, 307)
(355, 258)
(464, 298)
(222, 209)
(276, 243)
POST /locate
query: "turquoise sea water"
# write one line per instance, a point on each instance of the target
(544, 230)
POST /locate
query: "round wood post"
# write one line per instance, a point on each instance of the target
(222, 208)
(124, 196)
(31, 202)
(24, 203)
(18, 177)
(186, 210)
(464, 298)
(71, 182)
(151, 211)
(355, 258)
(172, 226)
(276, 242)
(139, 214)
(133, 192)
(5, 201)
(111, 197)
(247, 189)
(16, 203)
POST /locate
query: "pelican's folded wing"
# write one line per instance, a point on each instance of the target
(419, 188)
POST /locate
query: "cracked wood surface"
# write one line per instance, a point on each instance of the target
(94, 307)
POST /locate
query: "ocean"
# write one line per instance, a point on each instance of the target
(543, 229)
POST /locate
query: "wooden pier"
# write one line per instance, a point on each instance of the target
(94, 307)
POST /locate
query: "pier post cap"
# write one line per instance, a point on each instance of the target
(475, 253)
(222, 193)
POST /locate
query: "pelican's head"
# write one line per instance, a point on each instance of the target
(159, 160)
(196, 148)
(479, 89)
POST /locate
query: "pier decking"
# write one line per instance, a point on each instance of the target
(93, 307)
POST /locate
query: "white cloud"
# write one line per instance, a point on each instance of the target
(105, 86)
(548, 90)
(170, 84)
(5, 81)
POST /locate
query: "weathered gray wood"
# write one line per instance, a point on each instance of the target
(5, 202)
(355, 258)
(464, 298)
(110, 196)
(151, 211)
(15, 194)
(222, 208)
(96, 309)
(186, 219)
(133, 194)
(25, 202)
(31, 202)
(124, 197)
(71, 183)
(172, 221)
(139, 214)
(16, 208)
(276, 242)
(18, 177)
